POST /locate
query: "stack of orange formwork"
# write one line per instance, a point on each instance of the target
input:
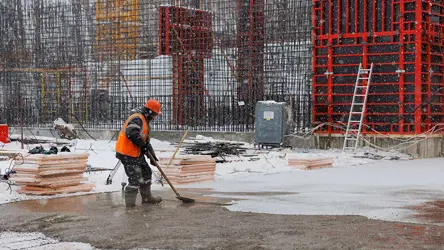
(310, 163)
(51, 174)
(189, 169)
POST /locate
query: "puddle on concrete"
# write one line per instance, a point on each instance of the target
(75, 204)
(84, 203)
(209, 191)
(255, 193)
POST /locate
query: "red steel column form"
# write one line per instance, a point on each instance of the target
(330, 68)
(418, 43)
(428, 79)
(313, 60)
(401, 65)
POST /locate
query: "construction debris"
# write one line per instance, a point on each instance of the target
(189, 169)
(310, 164)
(52, 174)
(65, 130)
(40, 140)
(214, 149)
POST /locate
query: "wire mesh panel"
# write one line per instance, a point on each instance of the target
(208, 62)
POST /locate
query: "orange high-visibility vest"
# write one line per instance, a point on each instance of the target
(126, 147)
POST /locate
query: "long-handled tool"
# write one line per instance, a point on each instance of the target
(177, 149)
(183, 199)
(109, 180)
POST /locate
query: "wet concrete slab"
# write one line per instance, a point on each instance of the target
(103, 221)
(83, 203)
(79, 204)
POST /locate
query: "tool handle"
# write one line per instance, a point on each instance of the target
(163, 174)
(177, 149)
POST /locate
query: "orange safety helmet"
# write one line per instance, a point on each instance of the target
(154, 106)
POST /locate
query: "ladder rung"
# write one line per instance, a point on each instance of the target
(358, 103)
(354, 121)
(363, 78)
(360, 94)
(353, 130)
(366, 86)
(351, 139)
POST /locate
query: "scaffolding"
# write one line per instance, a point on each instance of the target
(207, 61)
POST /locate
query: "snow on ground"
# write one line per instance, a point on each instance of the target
(377, 187)
(101, 155)
(378, 190)
(37, 241)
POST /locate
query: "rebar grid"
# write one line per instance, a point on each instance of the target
(207, 61)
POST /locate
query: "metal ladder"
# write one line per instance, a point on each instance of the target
(357, 109)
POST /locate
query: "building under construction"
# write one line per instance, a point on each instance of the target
(207, 61)
(210, 61)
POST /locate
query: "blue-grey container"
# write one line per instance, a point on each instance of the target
(270, 123)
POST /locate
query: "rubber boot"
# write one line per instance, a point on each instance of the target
(130, 196)
(147, 197)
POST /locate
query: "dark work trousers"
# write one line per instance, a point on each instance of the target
(137, 170)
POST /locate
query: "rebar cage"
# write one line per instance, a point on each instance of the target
(207, 61)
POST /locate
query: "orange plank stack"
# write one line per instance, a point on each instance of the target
(189, 169)
(310, 164)
(51, 174)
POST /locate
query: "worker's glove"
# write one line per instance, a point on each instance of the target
(144, 149)
(151, 151)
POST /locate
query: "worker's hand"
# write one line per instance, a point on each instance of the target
(153, 162)
(144, 149)
(155, 158)
(151, 151)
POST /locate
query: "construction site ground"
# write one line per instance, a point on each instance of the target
(103, 221)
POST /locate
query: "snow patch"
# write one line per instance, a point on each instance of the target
(37, 241)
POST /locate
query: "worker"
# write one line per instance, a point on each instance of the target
(132, 145)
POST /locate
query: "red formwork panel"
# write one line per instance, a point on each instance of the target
(403, 42)
(4, 134)
(186, 35)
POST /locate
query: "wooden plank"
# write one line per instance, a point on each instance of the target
(59, 156)
(46, 181)
(52, 191)
(19, 169)
(311, 163)
(196, 166)
(24, 180)
(52, 174)
(204, 171)
(61, 172)
(55, 162)
(190, 158)
(62, 183)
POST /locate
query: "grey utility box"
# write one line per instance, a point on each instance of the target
(270, 123)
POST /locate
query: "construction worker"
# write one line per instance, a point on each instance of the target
(132, 145)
